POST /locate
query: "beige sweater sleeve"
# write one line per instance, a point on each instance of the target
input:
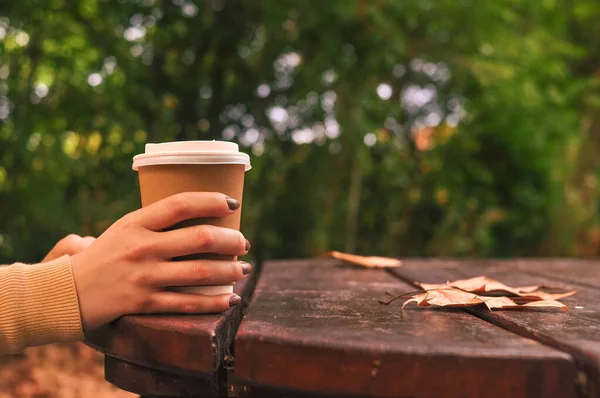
(38, 305)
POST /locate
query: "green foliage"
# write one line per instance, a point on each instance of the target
(481, 119)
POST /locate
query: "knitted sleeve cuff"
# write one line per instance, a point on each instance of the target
(38, 305)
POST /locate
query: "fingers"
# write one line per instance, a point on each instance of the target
(172, 302)
(200, 239)
(71, 244)
(195, 273)
(184, 206)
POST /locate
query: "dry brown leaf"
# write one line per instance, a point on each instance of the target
(540, 295)
(547, 303)
(499, 302)
(446, 297)
(507, 303)
(452, 297)
(365, 261)
(483, 284)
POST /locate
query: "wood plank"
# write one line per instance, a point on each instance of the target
(576, 332)
(152, 383)
(184, 347)
(582, 272)
(316, 327)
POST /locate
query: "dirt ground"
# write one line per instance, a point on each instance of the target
(56, 371)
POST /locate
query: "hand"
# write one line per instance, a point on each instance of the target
(71, 244)
(126, 270)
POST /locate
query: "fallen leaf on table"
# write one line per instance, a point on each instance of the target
(546, 303)
(451, 297)
(483, 284)
(508, 303)
(446, 297)
(365, 261)
(540, 295)
(480, 284)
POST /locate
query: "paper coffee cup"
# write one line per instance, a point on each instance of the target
(194, 166)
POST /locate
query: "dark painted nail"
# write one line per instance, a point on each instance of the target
(233, 204)
(246, 268)
(248, 245)
(235, 300)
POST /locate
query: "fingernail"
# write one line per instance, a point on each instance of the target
(233, 204)
(247, 245)
(246, 267)
(234, 300)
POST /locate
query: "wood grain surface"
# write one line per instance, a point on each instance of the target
(315, 326)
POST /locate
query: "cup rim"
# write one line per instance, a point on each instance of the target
(151, 159)
(179, 154)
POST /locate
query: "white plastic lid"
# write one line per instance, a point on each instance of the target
(192, 152)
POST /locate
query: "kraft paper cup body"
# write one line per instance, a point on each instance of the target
(194, 166)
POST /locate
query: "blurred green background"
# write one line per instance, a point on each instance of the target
(389, 127)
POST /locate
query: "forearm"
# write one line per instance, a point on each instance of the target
(38, 305)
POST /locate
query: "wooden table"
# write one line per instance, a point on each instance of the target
(314, 328)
